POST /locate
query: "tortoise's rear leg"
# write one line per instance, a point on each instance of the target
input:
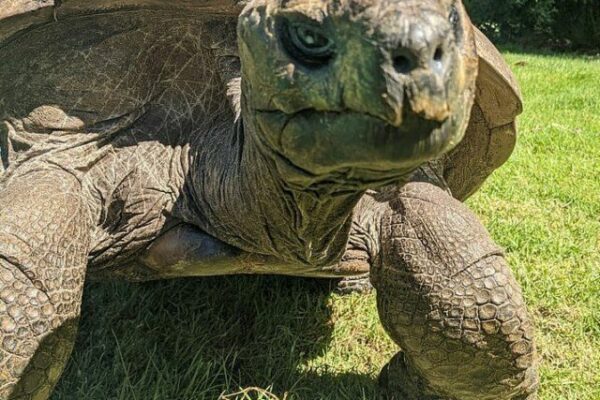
(44, 240)
(447, 296)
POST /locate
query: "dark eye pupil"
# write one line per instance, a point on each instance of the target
(307, 44)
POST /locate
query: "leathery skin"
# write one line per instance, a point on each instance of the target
(44, 239)
(447, 296)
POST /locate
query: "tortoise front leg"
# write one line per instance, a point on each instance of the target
(44, 240)
(446, 295)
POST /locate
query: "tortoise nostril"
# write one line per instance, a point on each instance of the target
(407, 61)
(438, 55)
(403, 64)
(438, 63)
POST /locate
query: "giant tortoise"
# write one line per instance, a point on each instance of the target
(148, 139)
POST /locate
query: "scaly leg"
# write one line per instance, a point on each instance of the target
(44, 240)
(446, 295)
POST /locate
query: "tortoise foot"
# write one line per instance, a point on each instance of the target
(398, 382)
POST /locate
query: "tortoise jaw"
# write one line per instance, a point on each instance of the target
(353, 145)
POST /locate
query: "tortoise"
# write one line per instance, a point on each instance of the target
(150, 139)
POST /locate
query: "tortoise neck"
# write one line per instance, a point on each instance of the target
(244, 200)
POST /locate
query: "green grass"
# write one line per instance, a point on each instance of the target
(210, 338)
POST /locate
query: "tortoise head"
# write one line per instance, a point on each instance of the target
(359, 91)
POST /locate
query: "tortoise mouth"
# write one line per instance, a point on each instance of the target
(327, 142)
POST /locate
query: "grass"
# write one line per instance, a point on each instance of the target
(270, 337)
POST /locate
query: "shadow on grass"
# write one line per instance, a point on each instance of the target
(199, 338)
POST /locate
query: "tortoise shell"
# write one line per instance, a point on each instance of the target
(491, 134)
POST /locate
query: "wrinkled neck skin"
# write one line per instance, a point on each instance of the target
(255, 200)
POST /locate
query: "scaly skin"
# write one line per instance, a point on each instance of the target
(44, 239)
(446, 295)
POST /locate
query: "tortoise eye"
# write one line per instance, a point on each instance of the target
(307, 43)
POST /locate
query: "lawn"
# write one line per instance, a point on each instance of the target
(210, 338)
